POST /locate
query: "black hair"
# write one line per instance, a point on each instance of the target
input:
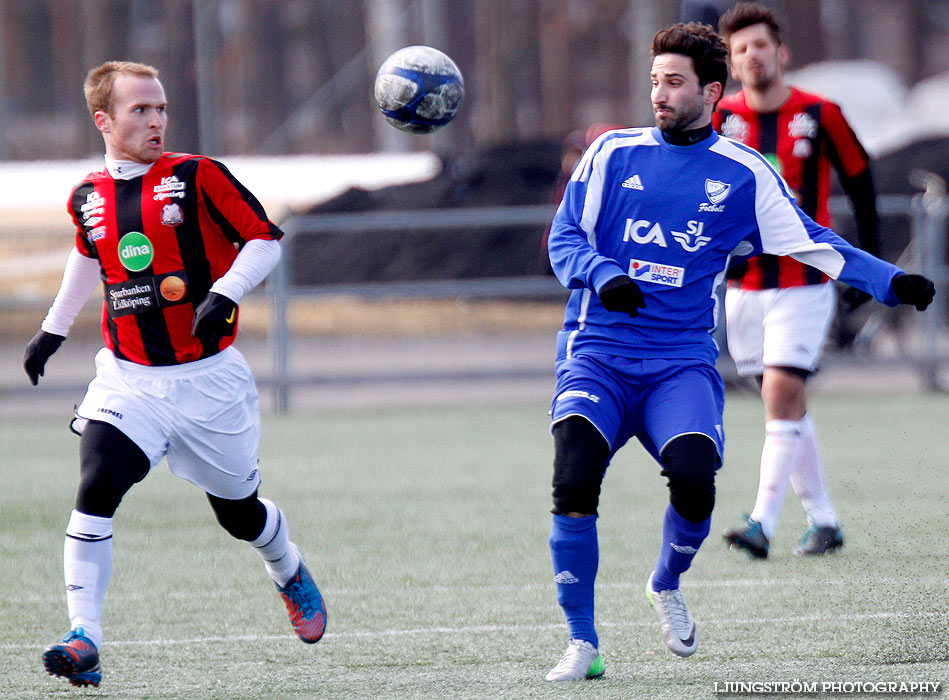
(746, 14)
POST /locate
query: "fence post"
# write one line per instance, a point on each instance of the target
(277, 328)
(929, 232)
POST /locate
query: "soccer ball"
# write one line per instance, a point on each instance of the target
(419, 89)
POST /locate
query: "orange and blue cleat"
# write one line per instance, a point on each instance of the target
(75, 658)
(304, 605)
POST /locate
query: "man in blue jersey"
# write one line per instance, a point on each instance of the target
(650, 221)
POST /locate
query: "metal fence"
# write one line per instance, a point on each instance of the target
(926, 254)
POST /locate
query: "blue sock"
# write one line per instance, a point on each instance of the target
(575, 554)
(681, 540)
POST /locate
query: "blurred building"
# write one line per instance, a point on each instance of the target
(262, 77)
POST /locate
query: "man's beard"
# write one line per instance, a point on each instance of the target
(678, 121)
(762, 82)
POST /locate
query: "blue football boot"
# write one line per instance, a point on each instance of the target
(750, 538)
(75, 658)
(820, 540)
(304, 605)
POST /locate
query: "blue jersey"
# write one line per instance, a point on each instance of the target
(674, 218)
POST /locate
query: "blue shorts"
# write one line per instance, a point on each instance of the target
(653, 400)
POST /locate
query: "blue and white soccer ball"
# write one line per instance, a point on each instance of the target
(419, 89)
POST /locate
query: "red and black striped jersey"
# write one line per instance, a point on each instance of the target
(162, 239)
(802, 140)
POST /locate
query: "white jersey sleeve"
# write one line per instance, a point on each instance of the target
(80, 279)
(255, 261)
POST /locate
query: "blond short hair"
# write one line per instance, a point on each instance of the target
(99, 83)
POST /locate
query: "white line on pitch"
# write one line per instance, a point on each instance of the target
(467, 588)
(480, 629)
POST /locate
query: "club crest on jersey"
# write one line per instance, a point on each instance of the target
(135, 251)
(716, 191)
(646, 271)
(172, 214)
(803, 149)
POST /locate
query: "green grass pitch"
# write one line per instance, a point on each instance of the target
(427, 532)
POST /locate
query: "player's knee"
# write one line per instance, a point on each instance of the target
(97, 494)
(805, 489)
(243, 519)
(575, 496)
(109, 465)
(580, 458)
(689, 463)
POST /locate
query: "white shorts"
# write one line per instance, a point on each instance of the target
(778, 327)
(203, 416)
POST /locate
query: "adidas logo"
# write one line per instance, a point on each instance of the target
(566, 577)
(633, 183)
(683, 549)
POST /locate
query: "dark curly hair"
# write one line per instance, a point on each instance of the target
(700, 43)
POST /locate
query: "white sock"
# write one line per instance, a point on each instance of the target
(280, 555)
(87, 568)
(781, 445)
(807, 478)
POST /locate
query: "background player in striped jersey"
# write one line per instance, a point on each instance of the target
(778, 310)
(177, 242)
(647, 227)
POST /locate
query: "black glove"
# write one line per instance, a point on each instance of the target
(622, 294)
(38, 352)
(215, 318)
(854, 298)
(914, 289)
